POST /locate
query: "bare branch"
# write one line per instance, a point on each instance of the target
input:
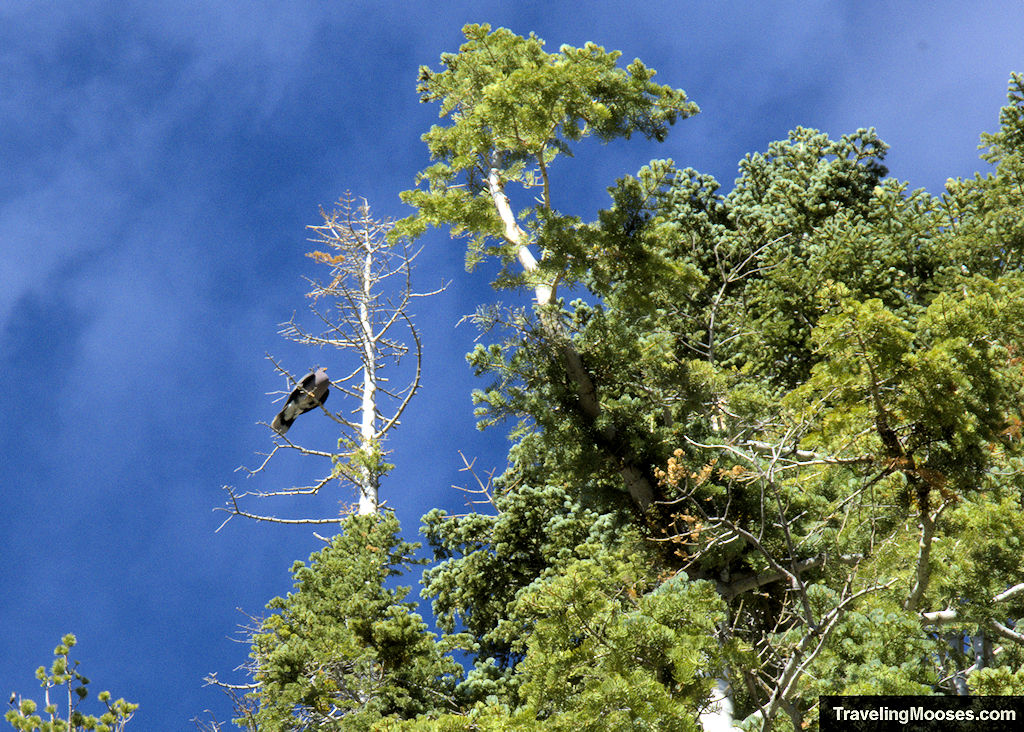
(1005, 632)
(233, 509)
(212, 680)
(808, 649)
(951, 615)
(483, 488)
(745, 583)
(1009, 593)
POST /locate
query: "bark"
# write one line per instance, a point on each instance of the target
(924, 553)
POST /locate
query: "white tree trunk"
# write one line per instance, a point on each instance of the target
(369, 479)
(639, 487)
(718, 717)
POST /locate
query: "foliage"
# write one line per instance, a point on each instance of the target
(515, 108)
(487, 561)
(343, 651)
(64, 674)
(877, 649)
(612, 648)
(816, 376)
(1001, 681)
(772, 450)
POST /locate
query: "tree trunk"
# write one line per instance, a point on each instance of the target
(369, 479)
(636, 479)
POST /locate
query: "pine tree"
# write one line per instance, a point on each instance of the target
(64, 679)
(343, 651)
(772, 451)
(807, 388)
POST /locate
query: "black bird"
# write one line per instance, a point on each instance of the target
(308, 394)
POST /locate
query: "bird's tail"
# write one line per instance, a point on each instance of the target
(279, 425)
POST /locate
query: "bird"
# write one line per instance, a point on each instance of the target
(308, 394)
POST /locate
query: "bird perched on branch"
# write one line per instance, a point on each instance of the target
(308, 394)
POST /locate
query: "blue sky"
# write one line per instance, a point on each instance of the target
(160, 161)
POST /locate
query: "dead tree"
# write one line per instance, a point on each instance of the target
(362, 312)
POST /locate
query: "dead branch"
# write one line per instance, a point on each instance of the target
(483, 488)
(234, 509)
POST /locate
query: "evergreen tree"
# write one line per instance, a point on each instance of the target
(64, 679)
(343, 651)
(773, 451)
(806, 390)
